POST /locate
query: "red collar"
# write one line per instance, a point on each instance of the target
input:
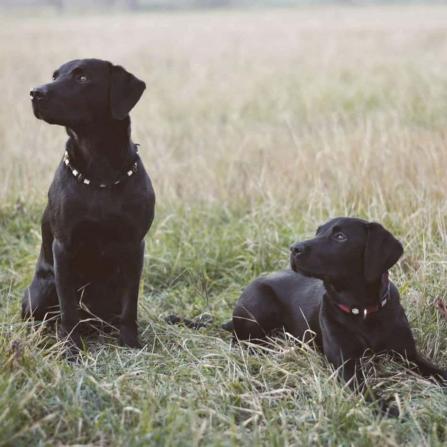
(365, 311)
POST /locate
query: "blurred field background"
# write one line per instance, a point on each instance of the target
(258, 124)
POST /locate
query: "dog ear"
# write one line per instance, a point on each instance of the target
(382, 251)
(125, 91)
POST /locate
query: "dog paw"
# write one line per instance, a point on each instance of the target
(441, 378)
(71, 341)
(388, 409)
(72, 348)
(129, 338)
(72, 353)
(130, 343)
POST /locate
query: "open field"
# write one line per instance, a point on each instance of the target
(257, 126)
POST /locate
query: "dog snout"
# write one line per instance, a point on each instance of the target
(298, 249)
(38, 93)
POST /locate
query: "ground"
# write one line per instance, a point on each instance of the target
(256, 127)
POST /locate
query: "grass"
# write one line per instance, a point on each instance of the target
(256, 127)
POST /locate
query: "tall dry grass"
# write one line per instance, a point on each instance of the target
(316, 107)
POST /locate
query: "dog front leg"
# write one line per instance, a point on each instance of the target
(347, 362)
(128, 319)
(406, 347)
(427, 369)
(353, 375)
(40, 298)
(350, 371)
(129, 303)
(68, 300)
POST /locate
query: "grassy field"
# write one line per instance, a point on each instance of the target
(256, 127)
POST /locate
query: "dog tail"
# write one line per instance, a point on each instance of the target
(228, 326)
(197, 323)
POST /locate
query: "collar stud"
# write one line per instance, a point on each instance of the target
(366, 311)
(81, 178)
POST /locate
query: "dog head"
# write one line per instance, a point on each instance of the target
(86, 91)
(346, 247)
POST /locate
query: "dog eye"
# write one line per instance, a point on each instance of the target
(340, 237)
(82, 78)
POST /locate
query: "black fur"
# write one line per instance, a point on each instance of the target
(343, 264)
(92, 238)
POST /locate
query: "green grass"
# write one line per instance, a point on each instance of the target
(197, 387)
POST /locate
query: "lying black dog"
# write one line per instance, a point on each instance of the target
(100, 203)
(339, 291)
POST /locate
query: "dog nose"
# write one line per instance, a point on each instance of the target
(298, 249)
(37, 93)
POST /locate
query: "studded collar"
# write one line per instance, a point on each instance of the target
(81, 178)
(366, 311)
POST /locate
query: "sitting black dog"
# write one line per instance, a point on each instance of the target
(100, 203)
(338, 290)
